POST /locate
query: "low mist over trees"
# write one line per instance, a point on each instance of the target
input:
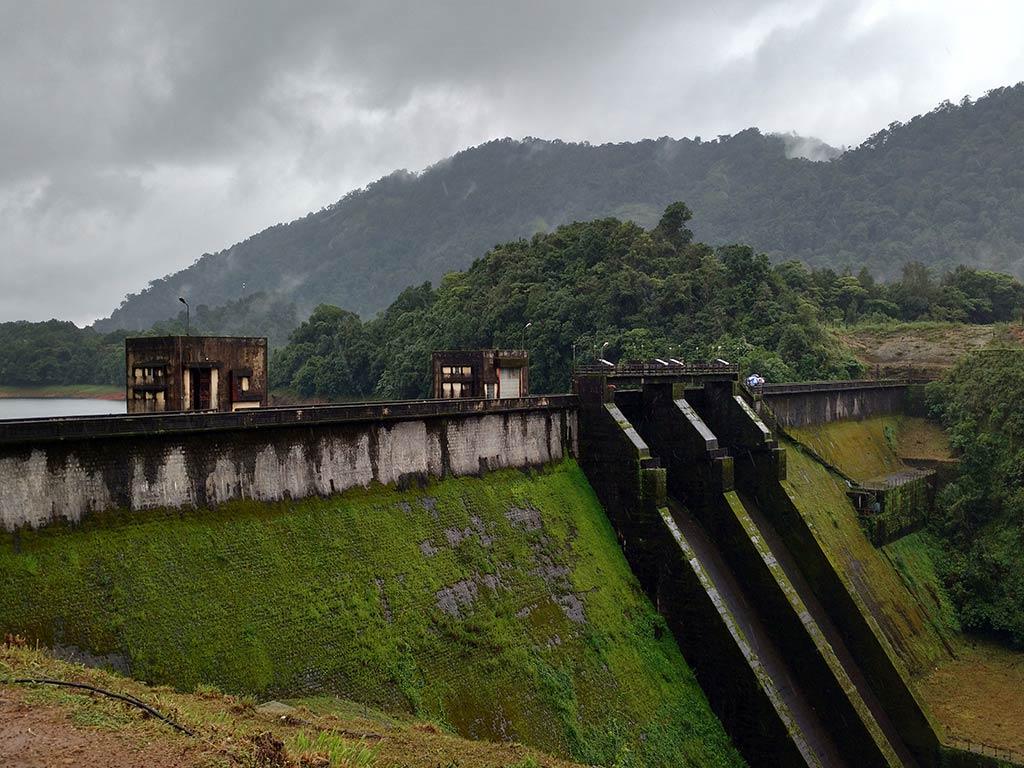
(944, 189)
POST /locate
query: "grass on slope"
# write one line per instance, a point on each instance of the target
(230, 730)
(972, 688)
(500, 607)
(820, 495)
(870, 448)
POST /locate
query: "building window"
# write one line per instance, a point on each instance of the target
(245, 384)
(450, 390)
(490, 391)
(446, 370)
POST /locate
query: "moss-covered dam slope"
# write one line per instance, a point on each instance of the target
(500, 606)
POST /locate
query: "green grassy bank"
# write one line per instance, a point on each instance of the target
(501, 607)
(914, 627)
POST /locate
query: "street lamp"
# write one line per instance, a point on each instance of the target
(187, 314)
(525, 329)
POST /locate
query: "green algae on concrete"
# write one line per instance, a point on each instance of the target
(500, 606)
(914, 557)
(905, 622)
(861, 450)
(872, 448)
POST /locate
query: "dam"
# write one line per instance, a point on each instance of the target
(415, 554)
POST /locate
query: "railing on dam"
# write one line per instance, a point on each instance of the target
(85, 427)
(793, 388)
(631, 370)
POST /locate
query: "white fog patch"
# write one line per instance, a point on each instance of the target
(809, 148)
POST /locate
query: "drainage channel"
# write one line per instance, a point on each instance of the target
(816, 738)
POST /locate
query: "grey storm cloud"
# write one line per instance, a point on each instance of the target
(134, 136)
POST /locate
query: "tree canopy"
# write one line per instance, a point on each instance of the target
(604, 287)
(981, 520)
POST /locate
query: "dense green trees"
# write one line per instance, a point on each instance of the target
(965, 294)
(606, 284)
(981, 513)
(943, 189)
(634, 293)
(57, 352)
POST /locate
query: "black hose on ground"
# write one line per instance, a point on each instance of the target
(121, 697)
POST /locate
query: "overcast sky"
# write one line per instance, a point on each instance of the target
(135, 136)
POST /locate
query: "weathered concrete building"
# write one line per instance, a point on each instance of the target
(195, 373)
(486, 373)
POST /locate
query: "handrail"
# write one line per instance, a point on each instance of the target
(984, 749)
(653, 369)
(826, 386)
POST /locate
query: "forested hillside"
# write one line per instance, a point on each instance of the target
(58, 352)
(982, 512)
(605, 283)
(614, 288)
(945, 188)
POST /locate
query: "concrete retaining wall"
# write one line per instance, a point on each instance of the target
(65, 469)
(759, 479)
(799, 405)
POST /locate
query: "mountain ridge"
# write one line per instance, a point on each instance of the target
(943, 188)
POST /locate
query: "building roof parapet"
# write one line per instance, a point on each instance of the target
(193, 337)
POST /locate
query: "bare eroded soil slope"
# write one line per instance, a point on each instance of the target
(926, 348)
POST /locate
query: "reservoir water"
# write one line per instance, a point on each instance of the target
(39, 407)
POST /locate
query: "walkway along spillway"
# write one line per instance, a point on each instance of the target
(693, 483)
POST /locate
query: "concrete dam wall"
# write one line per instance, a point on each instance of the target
(499, 606)
(790, 656)
(67, 469)
(387, 553)
(819, 402)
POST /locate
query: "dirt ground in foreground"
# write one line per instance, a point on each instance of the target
(38, 736)
(979, 696)
(44, 725)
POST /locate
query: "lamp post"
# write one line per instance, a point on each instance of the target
(188, 313)
(603, 347)
(525, 329)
